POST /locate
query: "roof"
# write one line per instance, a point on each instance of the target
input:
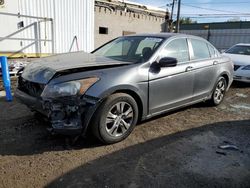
(129, 6)
(243, 44)
(163, 35)
(149, 7)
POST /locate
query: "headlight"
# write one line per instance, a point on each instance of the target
(246, 67)
(71, 88)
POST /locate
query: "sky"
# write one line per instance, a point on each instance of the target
(223, 10)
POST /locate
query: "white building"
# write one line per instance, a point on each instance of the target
(56, 26)
(41, 27)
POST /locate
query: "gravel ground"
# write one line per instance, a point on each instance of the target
(178, 149)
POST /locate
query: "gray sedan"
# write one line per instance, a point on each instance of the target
(129, 79)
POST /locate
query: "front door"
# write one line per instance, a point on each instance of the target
(171, 87)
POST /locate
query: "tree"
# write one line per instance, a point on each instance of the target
(187, 20)
(234, 19)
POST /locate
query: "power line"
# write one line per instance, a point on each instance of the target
(227, 3)
(215, 14)
(215, 17)
(218, 3)
(217, 10)
(212, 16)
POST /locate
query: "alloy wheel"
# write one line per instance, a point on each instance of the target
(219, 91)
(119, 119)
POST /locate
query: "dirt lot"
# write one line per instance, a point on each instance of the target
(179, 149)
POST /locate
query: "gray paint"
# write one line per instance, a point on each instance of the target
(159, 91)
(42, 70)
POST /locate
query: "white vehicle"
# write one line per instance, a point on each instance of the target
(240, 55)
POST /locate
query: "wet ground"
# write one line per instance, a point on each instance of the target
(178, 149)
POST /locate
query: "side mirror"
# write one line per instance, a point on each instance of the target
(168, 62)
(222, 51)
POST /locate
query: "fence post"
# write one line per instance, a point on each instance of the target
(37, 39)
(6, 77)
(52, 36)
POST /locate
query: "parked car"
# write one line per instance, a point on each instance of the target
(240, 55)
(128, 79)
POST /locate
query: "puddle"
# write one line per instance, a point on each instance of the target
(241, 95)
(241, 106)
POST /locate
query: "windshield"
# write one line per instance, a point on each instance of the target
(130, 49)
(239, 49)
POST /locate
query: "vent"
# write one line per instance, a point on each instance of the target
(103, 30)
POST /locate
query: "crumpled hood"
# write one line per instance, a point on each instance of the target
(239, 59)
(42, 70)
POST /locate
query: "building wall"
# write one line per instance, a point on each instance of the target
(70, 18)
(119, 22)
(8, 25)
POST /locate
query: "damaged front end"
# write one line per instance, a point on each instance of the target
(69, 115)
(65, 104)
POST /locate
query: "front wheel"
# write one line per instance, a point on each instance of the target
(219, 91)
(115, 118)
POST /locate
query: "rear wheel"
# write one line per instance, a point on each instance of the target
(219, 91)
(115, 118)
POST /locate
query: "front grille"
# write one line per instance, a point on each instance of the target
(236, 67)
(31, 88)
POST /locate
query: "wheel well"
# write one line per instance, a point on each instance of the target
(137, 99)
(226, 77)
(132, 94)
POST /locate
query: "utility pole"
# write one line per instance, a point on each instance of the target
(178, 17)
(166, 29)
(172, 11)
(171, 16)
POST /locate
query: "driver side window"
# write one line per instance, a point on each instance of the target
(178, 49)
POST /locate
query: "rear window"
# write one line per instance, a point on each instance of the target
(212, 51)
(200, 49)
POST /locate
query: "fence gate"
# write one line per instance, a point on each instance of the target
(32, 37)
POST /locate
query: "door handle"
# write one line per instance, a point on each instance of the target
(189, 68)
(215, 62)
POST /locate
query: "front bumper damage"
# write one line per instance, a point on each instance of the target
(67, 115)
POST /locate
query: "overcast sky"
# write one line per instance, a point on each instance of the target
(194, 8)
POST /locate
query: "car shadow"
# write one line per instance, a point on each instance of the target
(204, 104)
(185, 159)
(22, 133)
(237, 84)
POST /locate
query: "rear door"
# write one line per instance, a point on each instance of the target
(204, 63)
(170, 87)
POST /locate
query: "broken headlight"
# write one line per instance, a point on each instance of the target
(77, 87)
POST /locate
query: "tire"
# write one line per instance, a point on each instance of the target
(115, 119)
(219, 91)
